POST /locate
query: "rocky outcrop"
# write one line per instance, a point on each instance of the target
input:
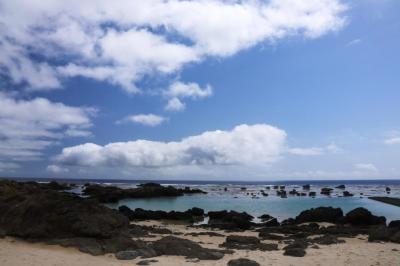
(174, 246)
(110, 194)
(320, 214)
(190, 215)
(247, 243)
(326, 191)
(32, 212)
(362, 216)
(230, 220)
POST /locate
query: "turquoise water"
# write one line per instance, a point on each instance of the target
(275, 206)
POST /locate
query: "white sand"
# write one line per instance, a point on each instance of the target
(355, 251)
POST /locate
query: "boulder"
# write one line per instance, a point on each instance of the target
(306, 187)
(140, 214)
(230, 220)
(327, 240)
(341, 187)
(174, 246)
(295, 252)
(243, 262)
(326, 191)
(394, 224)
(127, 255)
(247, 243)
(347, 194)
(361, 216)
(320, 214)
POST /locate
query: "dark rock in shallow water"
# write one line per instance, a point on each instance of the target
(320, 214)
(341, 187)
(312, 194)
(243, 262)
(326, 191)
(307, 187)
(362, 216)
(230, 220)
(140, 214)
(347, 194)
(174, 246)
(247, 243)
(109, 194)
(387, 200)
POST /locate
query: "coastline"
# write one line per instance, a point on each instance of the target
(44, 224)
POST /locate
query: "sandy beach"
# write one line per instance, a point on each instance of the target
(355, 251)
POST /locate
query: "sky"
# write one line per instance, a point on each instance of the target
(200, 90)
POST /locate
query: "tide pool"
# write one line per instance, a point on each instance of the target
(275, 206)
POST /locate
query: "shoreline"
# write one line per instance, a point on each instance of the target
(48, 225)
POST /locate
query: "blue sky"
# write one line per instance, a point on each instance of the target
(285, 91)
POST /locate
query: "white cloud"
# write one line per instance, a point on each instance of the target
(125, 40)
(188, 90)
(144, 119)
(245, 144)
(175, 104)
(30, 126)
(392, 141)
(314, 151)
(366, 167)
(354, 42)
(179, 90)
(56, 169)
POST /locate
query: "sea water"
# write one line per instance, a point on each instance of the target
(248, 198)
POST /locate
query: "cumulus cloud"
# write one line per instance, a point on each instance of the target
(56, 169)
(179, 90)
(144, 119)
(42, 42)
(30, 126)
(244, 144)
(314, 151)
(175, 104)
(392, 141)
(366, 167)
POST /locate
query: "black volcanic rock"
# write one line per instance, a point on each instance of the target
(247, 243)
(362, 216)
(32, 212)
(341, 187)
(320, 214)
(140, 214)
(347, 194)
(230, 220)
(326, 191)
(174, 246)
(110, 194)
(243, 262)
